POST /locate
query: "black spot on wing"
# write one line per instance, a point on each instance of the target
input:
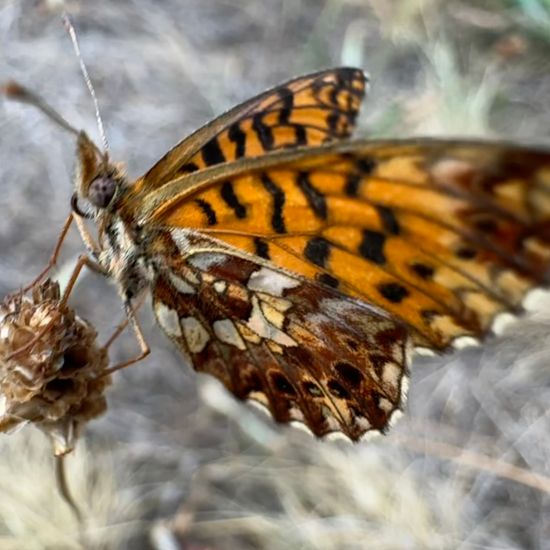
(238, 137)
(186, 168)
(466, 253)
(314, 198)
(211, 153)
(328, 280)
(264, 133)
(353, 182)
(261, 248)
(231, 199)
(282, 384)
(317, 251)
(287, 99)
(337, 390)
(207, 210)
(333, 118)
(300, 135)
(366, 165)
(372, 246)
(423, 271)
(389, 221)
(393, 292)
(350, 374)
(277, 219)
(486, 225)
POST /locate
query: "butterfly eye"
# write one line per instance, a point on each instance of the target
(101, 191)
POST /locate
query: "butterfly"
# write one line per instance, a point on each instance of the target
(301, 268)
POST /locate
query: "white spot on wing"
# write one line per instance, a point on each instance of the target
(195, 334)
(385, 404)
(272, 282)
(537, 299)
(371, 434)
(404, 390)
(332, 422)
(181, 238)
(465, 342)
(181, 285)
(337, 436)
(168, 319)
(363, 422)
(220, 286)
(206, 260)
(275, 317)
(395, 416)
(424, 352)
(261, 326)
(227, 332)
(391, 373)
(280, 304)
(502, 321)
(258, 400)
(301, 426)
(296, 414)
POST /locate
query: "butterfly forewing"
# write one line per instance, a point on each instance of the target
(443, 235)
(303, 350)
(309, 110)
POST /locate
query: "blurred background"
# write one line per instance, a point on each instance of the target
(176, 462)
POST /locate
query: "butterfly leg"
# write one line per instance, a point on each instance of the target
(116, 333)
(83, 261)
(55, 254)
(89, 242)
(122, 325)
(132, 320)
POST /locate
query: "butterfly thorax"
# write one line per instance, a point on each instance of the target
(123, 257)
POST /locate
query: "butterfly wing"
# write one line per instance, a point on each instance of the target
(304, 351)
(308, 110)
(443, 235)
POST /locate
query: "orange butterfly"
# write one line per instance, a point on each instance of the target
(301, 269)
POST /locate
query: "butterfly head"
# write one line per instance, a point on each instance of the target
(98, 182)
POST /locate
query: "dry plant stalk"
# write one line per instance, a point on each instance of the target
(52, 370)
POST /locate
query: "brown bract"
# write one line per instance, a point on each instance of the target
(51, 367)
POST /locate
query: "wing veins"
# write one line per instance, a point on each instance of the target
(456, 269)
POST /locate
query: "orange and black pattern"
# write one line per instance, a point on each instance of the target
(308, 110)
(300, 268)
(444, 235)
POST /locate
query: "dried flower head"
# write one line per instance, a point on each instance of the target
(52, 370)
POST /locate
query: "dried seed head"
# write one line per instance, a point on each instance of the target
(51, 367)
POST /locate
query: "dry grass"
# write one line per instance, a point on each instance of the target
(161, 69)
(33, 515)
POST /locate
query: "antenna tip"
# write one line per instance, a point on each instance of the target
(13, 90)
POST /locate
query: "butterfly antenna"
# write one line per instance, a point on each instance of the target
(17, 92)
(72, 33)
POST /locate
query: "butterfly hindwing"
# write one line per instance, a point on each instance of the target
(303, 350)
(443, 235)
